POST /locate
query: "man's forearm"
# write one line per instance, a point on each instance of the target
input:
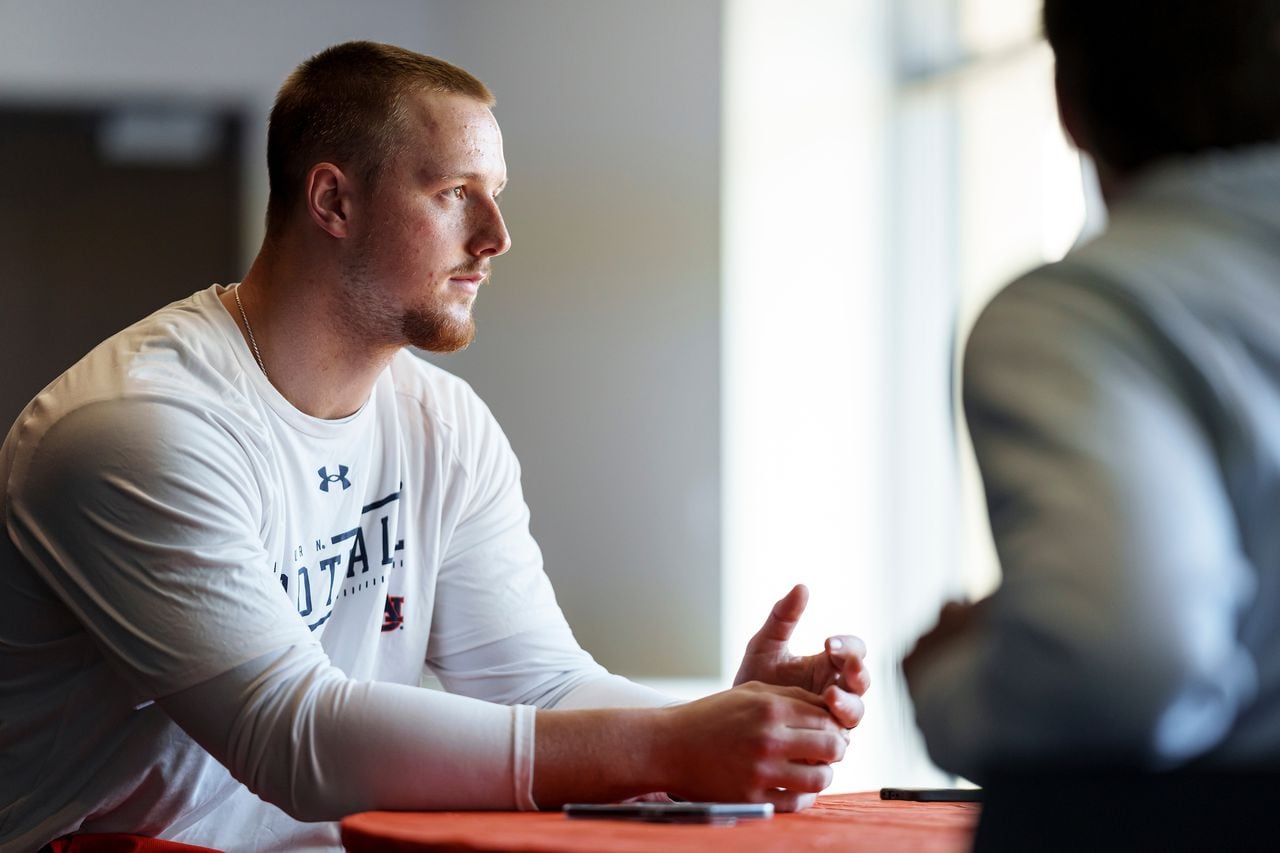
(599, 755)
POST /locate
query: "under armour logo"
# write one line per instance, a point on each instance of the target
(393, 613)
(341, 477)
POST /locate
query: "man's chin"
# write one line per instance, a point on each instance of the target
(443, 348)
(433, 333)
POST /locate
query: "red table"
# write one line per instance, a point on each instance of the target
(857, 823)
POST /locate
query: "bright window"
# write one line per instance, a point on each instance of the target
(887, 166)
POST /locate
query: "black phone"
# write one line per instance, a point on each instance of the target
(718, 813)
(933, 795)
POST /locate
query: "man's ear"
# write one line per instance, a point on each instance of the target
(329, 199)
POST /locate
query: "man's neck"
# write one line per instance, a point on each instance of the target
(318, 366)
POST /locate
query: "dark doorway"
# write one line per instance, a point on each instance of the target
(105, 215)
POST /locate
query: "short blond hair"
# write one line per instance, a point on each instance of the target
(346, 105)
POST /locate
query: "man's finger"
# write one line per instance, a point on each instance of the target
(797, 776)
(846, 654)
(856, 680)
(845, 646)
(810, 712)
(809, 745)
(789, 801)
(802, 695)
(847, 708)
(782, 620)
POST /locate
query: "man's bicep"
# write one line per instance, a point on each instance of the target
(137, 516)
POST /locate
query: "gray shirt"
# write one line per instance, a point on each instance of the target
(1124, 405)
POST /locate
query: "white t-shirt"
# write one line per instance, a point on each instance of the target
(172, 519)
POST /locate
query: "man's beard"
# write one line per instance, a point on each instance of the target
(434, 330)
(432, 326)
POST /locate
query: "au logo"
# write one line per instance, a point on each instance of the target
(327, 479)
(393, 613)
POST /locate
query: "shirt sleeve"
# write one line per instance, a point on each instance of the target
(141, 514)
(304, 737)
(543, 667)
(1113, 634)
(497, 632)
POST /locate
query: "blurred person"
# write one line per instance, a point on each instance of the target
(1124, 407)
(236, 531)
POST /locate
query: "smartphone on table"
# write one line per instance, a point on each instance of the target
(715, 813)
(933, 795)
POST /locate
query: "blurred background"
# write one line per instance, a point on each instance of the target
(749, 239)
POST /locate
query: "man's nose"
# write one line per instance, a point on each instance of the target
(491, 237)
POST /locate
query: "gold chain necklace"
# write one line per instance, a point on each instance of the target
(252, 341)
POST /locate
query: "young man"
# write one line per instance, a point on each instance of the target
(1125, 406)
(237, 529)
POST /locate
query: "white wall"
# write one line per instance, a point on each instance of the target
(599, 336)
(598, 342)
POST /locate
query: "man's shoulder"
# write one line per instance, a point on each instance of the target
(1131, 264)
(1049, 290)
(183, 344)
(1064, 315)
(1097, 319)
(1174, 272)
(168, 371)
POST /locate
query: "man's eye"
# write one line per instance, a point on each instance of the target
(457, 192)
